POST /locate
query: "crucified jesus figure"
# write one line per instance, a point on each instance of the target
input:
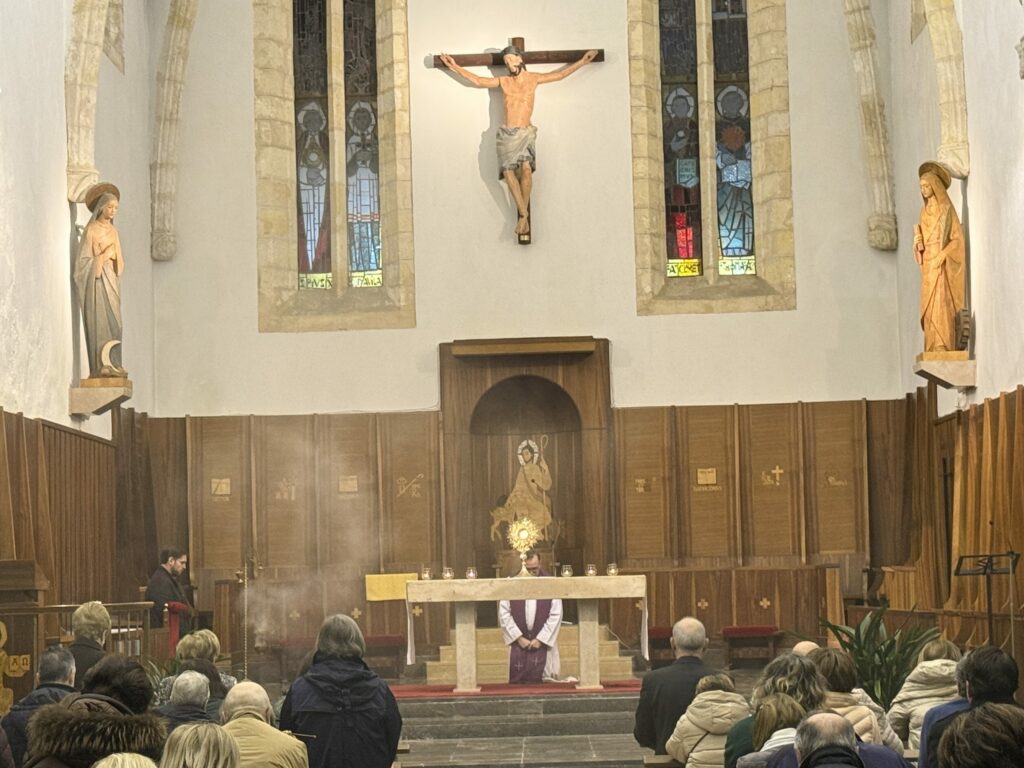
(517, 138)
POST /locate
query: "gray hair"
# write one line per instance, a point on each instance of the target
(200, 744)
(57, 665)
(689, 635)
(125, 760)
(248, 698)
(341, 636)
(823, 729)
(190, 688)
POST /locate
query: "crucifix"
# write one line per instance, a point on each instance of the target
(517, 137)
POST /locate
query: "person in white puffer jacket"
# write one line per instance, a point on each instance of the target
(698, 740)
(932, 682)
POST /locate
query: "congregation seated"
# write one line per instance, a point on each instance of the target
(343, 711)
(840, 673)
(189, 695)
(215, 679)
(791, 674)
(248, 717)
(666, 693)
(827, 740)
(987, 736)
(931, 683)
(56, 680)
(90, 625)
(699, 736)
(109, 716)
(200, 745)
(201, 644)
(990, 677)
(775, 722)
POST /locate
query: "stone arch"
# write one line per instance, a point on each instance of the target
(81, 78)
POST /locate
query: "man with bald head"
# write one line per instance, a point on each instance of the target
(826, 739)
(666, 693)
(247, 714)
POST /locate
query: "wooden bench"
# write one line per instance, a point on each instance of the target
(764, 637)
(660, 644)
(390, 650)
(662, 760)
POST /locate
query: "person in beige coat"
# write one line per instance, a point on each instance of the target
(698, 740)
(930, 683)
(838, 669)
(247, 714)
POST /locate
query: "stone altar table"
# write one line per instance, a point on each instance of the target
(465, 593)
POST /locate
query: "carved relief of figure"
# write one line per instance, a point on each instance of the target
(529, 497)
(98, 272)
(939, 252)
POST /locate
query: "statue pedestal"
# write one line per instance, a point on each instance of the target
(947, 369)
(99, 395)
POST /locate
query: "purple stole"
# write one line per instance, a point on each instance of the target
(527, 666)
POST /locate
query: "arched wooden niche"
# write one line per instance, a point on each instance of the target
(527, 408)
(495, 394)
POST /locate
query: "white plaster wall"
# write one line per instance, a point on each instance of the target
(991, 199)
(473, 281)
(35, 287)
(38, 313)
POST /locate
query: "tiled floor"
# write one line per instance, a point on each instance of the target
(535, 752)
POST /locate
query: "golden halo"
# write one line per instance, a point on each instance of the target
(938, 169)
(96, 191)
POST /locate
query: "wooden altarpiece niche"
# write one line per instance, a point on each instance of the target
(494, 395)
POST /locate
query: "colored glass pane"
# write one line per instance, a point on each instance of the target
(312, 151)
(733, 157)
(677, 20)
(362, 154)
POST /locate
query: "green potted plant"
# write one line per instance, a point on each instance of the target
(883, 659)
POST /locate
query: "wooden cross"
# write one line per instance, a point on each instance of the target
(529, 57)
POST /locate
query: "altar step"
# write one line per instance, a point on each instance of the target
(492, 657)
(517, 716)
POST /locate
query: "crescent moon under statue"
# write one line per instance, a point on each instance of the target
(105, 353)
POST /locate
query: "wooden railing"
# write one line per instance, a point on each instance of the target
(130, 632)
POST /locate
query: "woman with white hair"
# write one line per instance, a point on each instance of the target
(347, 715)
(200, 745)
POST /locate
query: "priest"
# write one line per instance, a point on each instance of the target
(530, 629)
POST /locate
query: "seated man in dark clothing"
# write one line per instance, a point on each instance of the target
(987, 736)
(164, 588)
(827, 740)
(347, 715)
(990, 677)
(666, 693)
(90, 624)
(56, 678)
(189, 695)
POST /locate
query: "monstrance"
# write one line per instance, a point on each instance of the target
(522, 535)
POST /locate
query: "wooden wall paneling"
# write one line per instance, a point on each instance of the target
(43, 522)
(8, 550)
(135, 510)
(410, 491)
(836, 487)
(890, 462)
(965, 592)
(708, 490)
(286, 491)
(24, 493)
(81, 491)
(643, 438)
(771, 484)
(755, 597)
(220, 503)
(712, 599)
(1017, 501)
(168, 458)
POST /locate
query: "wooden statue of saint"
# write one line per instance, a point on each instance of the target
(517, 137)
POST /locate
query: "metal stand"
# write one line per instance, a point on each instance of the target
(995, 564)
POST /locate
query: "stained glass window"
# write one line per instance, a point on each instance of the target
(735, 199)
(362, 156)
(681, 139)
(312, 152)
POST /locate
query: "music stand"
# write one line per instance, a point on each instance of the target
(994, 564)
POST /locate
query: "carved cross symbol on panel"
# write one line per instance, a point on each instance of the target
(356, 613)
(702, 604)
(294, 615)
(417, 611)
(765, 603)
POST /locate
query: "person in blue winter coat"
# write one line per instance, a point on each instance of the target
(345, 714)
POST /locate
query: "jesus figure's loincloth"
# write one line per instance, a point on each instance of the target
(516, 146)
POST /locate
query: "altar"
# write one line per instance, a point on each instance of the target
(466, 593)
